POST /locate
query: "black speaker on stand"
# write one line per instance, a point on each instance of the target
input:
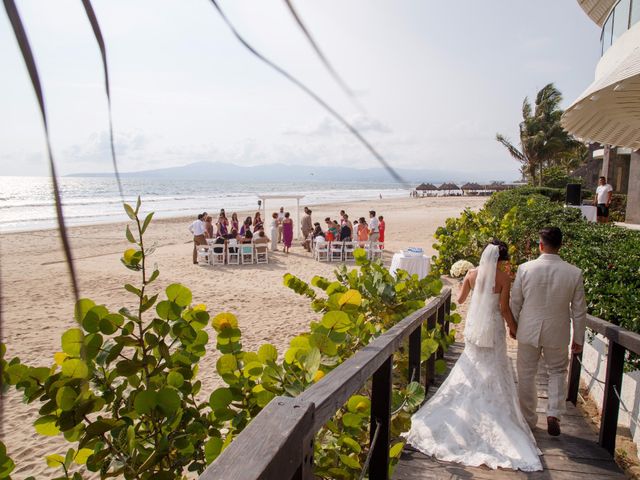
(574, 194)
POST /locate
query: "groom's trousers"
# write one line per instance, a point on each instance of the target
(556, 360)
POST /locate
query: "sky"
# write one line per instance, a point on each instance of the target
(434, 82)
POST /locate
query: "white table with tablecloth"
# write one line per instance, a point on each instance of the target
(589, 212)
(418, 264)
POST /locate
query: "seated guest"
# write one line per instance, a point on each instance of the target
(219, 245)
(332, 232)
(261, 237)
(246, 226)
(247, 238)
(345, 230)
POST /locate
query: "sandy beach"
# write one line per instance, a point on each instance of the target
(38, 304)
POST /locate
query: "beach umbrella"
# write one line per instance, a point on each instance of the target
(471, 186)
(448, 187)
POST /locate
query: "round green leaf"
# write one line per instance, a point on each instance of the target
(54, 461)
(179, 294)
(72, 341)
(359, 404)
(267, 352)
(93, 342)
(351, 443)
(220, 398)
(65, 398)
(350, 462)
(336, 319)
(351, 297)
(175, 379)
(352, 420)
(47, 426)
(74, 367)
(212, 449)
(396, 450)
(440, 367)
(226, 364)
(82, 455)
(145, 402)
(82, 307)
(252, 369)
(168, 400)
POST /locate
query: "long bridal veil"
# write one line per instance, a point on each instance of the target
(479, 328)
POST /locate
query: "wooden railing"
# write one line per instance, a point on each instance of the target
(278, 443)
(620, 341)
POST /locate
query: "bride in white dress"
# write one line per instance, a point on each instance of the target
(474, 418)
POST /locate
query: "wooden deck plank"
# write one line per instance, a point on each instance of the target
(574, 455)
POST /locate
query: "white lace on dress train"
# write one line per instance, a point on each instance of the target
(474, 418)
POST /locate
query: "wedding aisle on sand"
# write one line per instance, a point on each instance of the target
(35, 317)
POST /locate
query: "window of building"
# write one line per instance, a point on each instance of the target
(635, 12)
(620, 19)
(607, 31)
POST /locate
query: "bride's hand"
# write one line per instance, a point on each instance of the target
(513, 330)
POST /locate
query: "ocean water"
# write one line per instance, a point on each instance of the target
(26, 203)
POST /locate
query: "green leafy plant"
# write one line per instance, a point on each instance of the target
(123, 389)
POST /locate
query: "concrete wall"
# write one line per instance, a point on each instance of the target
(594, 360)
(633, 193)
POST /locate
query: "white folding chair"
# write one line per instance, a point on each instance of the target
(349, 248)
(246, 253)
(335, 250)
(233, 253)
(216, 252)
(374, 251)
(262, 255)
(321, 250)
(203, 255)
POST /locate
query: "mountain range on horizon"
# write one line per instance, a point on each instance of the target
(306, 173)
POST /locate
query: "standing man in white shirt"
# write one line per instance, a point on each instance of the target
(198, 228)
(374, 226)
(604, 192)
(280, 219)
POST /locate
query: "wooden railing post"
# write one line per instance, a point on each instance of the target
(574, 378)
(611, 402)
(415, 345)
(441, 314)
(380, 420)
(431, 362)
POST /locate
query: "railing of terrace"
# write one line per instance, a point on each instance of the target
(620, 341)
(278, 443)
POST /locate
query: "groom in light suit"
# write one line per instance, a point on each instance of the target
(547, 296)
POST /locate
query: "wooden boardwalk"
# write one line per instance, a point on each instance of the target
(573, 455)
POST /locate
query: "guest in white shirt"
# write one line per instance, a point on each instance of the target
(604, 192)
(374, 227)
(198, 229)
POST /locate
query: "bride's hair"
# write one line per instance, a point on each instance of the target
(503, 249)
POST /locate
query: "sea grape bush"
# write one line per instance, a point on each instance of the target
(609, 256)
(124, 390)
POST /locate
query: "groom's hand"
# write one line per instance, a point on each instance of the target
(576, 348)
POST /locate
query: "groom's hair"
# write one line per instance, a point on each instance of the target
(503, 249)
(551, 237)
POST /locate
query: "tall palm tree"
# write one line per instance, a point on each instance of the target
(542, 138)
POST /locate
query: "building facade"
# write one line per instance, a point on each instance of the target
(608, 111)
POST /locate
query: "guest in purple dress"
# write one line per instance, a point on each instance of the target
(246, 226)
(235, 224)
(287, 232)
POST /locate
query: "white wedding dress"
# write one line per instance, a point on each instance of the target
(474, 417)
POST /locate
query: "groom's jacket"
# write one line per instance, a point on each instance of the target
(546, 295)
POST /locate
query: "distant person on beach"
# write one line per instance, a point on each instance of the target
(331, 233)
(287, 232)
(381, 228)
(604, 193)
(280, 220)
(363, 231)
(317, 231)
(197, 229)
(208, 226)
(306, 225)
(235, 224)
(274, 231)
(374, 227)
(343, 214)
(257, 222)
(246, 226)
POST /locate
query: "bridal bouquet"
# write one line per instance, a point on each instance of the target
(460, 268)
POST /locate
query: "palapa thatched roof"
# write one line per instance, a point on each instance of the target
(449, 186)
(471, 186)
(496, 187)
(426, 186)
